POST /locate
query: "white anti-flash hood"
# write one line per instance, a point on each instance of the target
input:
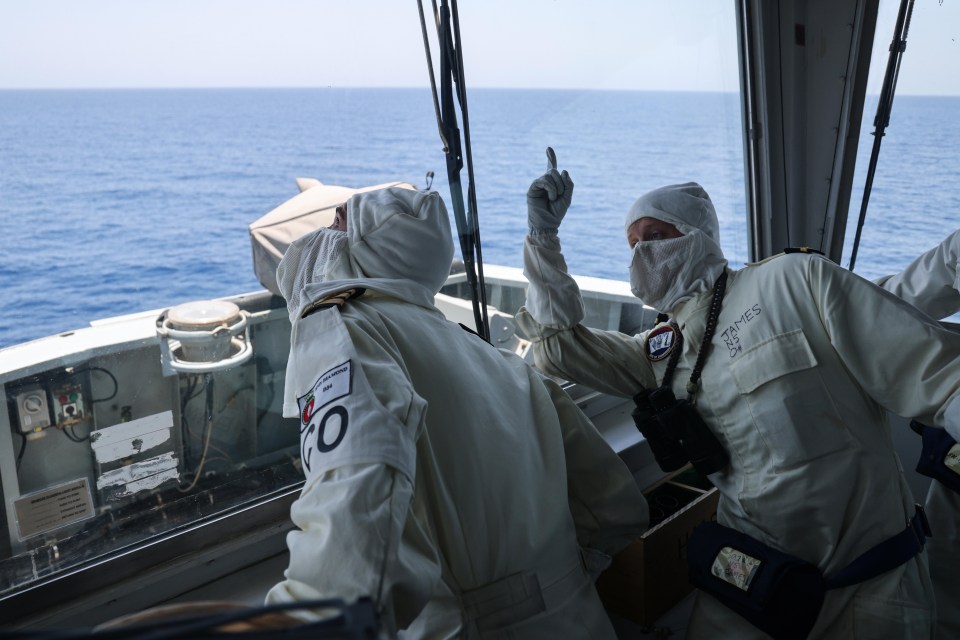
(398, 242)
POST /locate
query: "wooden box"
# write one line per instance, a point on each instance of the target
(649, 577)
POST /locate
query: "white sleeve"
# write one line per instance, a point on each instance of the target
(905, 360)
(347, 542)
(608, 361)
(930, 282)
(359, 421)
(608, 509)
(553, 297)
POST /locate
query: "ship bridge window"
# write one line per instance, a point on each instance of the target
(133, 160)
(911, 206)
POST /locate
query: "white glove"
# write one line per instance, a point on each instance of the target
(548, 198)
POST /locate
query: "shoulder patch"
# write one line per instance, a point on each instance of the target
(660, 342)
(332, 385)
(337, 299)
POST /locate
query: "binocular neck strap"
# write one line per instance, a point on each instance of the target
(693, 385)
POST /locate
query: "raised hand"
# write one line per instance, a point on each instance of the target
(549, 197)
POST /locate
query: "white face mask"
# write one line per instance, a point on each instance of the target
(662, 272)
(328, 249)
(309, 260)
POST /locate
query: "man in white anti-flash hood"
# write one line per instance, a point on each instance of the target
(781, 404)
(448, 480)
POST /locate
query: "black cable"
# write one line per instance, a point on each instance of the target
(188, 394)
(116, 387)
(23, 449)
(184, 427)
(233, 396)
(192, 390)
(207, 431)
(68, 431)
(263, 363)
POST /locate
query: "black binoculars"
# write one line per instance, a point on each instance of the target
(676, 432)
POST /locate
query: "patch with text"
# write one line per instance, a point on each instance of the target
(660, 342)
(323, 430)
(735, 567)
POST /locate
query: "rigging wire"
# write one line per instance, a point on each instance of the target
(447, 20)
(884, 106)
(467, 148)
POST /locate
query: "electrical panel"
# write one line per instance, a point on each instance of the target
(33, 410)
(68, 404)
(104, 455)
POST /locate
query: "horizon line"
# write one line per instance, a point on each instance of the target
(401, 87)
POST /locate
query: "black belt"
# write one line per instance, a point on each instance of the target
(889, 554)
(779, 593)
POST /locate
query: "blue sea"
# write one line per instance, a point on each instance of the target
(119, 201)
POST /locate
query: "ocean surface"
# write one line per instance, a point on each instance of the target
(120, 201)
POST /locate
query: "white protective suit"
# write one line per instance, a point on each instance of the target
(804, 355)
(447, 479)
(930, 284)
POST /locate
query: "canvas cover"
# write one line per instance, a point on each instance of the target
(310, 209)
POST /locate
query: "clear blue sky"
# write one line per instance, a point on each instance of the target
(620, 44)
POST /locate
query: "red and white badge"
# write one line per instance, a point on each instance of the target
(661, 342)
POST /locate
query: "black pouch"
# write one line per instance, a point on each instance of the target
(664, 444)
(940, 457)
(778, 593)
(699, 444)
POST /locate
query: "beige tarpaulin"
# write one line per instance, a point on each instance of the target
(311, 209)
